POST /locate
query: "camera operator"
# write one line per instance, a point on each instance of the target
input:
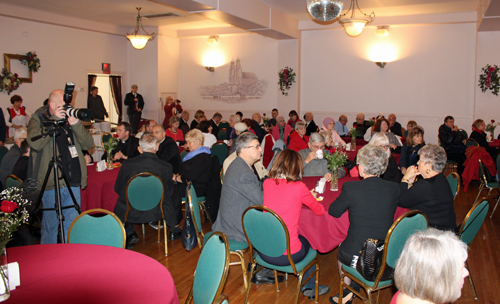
(71, 139)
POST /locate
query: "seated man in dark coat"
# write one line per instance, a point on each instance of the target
(20, 168)
(453, 142)
(361, 125)
(127, 144)
(146, 162)
(167, 150)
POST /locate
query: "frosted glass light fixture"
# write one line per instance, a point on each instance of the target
(354, 25)
(325, 10)
(139, 41)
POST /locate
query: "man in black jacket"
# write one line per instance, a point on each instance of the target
(453, 142)
(127, 144)
(311, 126)
(214, 122)
(168, 150)
(135, 105)
(183, 125)
(148, 161)
(256, 126)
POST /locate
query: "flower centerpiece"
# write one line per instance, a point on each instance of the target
(287, 77)
(489, 80)
(265, 119)
(335, 160)
(491, 128)
(109, 146)
(10, 81)
(354, 134)
(371, 122)
(13, 213)
(33, 62)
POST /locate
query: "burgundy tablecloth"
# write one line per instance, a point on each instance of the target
(77, 273)
(495, 143)
(327, 232)
(100, 191)
(359, 141)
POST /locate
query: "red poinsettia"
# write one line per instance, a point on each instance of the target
(8, 206)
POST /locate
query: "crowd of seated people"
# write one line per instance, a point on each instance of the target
(416, 182)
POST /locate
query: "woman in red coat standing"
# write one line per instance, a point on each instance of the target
(172, 108)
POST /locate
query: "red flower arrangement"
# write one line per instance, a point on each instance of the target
(286, 78)
(489, 79)
(10, 81)
(33, 62)
(13, 213)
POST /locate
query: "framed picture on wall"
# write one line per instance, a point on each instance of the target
(12, 63)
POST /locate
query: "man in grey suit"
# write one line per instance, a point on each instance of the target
(241, 189)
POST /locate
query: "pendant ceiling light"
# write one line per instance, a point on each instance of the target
(353, 24)
(139, 41)
(325, 10)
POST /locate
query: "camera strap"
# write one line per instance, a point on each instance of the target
(72, 149)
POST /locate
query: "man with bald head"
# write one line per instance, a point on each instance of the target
(72, 138)
(341, 126)
(394, 125)
(361, 125)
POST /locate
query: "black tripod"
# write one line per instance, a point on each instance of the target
(55, 165)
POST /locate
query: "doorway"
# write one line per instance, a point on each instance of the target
(102, 82)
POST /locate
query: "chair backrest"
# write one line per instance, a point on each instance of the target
(105, 137)
(482, 176)
(471, 142)
(473, 221)
(212, 269)
(498, 163)
(194, 207)
(183, 154)
(12, 181)
(144, 192)
(406, 225)
(224, 125)
(97, 230)
(454, 181)
(221, 150)
(222, 134)
(464, 133)
(266, 232)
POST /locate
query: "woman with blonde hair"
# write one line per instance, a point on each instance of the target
(285, 193)
(431, 268)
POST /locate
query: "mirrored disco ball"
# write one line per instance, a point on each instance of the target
(325, 10)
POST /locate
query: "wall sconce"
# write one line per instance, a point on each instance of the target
(210, 69)
(212, 39)
(381, 64)
(382, 31)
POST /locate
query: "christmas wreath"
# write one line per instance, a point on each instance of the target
(10, 81)
(489, 79)
(287, 77)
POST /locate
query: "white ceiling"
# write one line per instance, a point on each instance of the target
(123, 12)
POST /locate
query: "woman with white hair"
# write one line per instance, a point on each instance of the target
(431, 268)
(431, 194)
(239, 128)
(371, 202)
(392, 173)
(298, 138)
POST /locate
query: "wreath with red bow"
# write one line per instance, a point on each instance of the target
(489, 79)
(287, 77)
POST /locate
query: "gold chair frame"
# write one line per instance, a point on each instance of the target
(161, 208)
(300, 274)
(102, 135)
(484, 185)
(462, 227)
(455, 175)
(14, 177)
(200, 235)
(100, 210)
(219, 296)
(369, 290)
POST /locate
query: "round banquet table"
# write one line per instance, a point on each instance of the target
(78, 273)
(100, 190)
(326, 232)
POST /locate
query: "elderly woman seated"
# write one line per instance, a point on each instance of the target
(371, 202)
(382, 126)
(392, 173)
(298, 138)
(431, 268)
(431, 194)
(314, 162)
(206, 128)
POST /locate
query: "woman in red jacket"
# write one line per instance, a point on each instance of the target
(285, 193)
(298, 138)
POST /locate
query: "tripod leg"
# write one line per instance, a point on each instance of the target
(75, 201)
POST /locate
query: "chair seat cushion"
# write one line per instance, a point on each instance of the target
(233, 245)
(493, 185)
(311, 255)
(358, 276)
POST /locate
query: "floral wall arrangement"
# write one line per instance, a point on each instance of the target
(11, 81)
(286, 78)
(489, 80)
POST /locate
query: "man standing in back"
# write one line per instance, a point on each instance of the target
(135, 105)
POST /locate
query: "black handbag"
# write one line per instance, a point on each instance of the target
(370, 260)
(188, 234)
